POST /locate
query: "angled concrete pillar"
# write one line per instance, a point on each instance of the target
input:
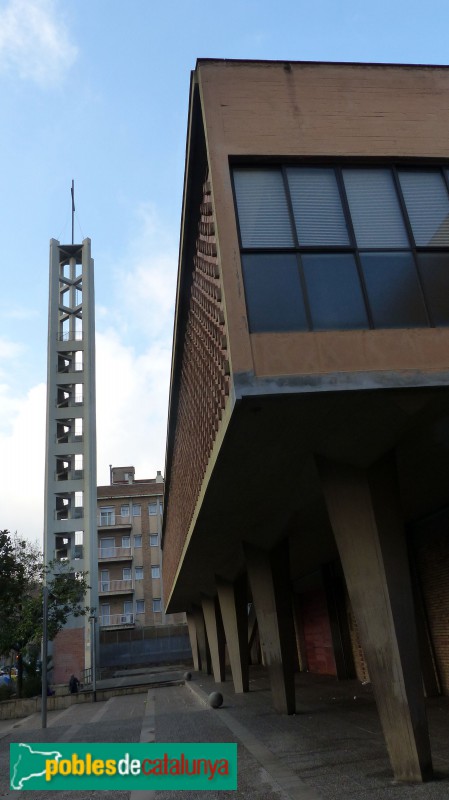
(201, 636)
(366, 517)
(299, 632)
(233, 606)
(269, 578)
(193, 641)
(253, 637)
(215, 636)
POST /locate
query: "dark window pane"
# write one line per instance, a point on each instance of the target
(434, 268)
(393, 288)
(334, 291)
(273, 292)
(317, 206)
(427, 202)
(375, 210)
(262, 208)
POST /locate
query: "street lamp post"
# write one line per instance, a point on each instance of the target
(92, 621)
(44, 657)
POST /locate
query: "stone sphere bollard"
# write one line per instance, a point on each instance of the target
(215, 699)
(187, 676)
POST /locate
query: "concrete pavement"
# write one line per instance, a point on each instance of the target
(332, 749)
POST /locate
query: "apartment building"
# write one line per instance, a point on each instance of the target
(130, 589)
(310, 377)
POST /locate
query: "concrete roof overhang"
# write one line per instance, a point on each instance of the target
(265, 486)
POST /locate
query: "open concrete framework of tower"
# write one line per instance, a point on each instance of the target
(70, 469)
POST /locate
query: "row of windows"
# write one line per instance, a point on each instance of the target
(352, 247)
(108, 513)
(138, 573)
(108, 547)
(128, 609)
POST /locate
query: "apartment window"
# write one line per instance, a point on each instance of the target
(136, 510)
(153, 508)
(104, 580)
(335, 248)
(126, 542)
(155, 571)
(140, 606)
(154, 540)
(157, 604)
(138, 573)
(127, 575)
(124, 511)
(127, 611)
(107, 515)
(138, 540)
(107, 548)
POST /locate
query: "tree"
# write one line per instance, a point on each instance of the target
(22, 578)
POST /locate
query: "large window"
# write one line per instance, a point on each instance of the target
(328, 248)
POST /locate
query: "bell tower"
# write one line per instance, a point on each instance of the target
(70, 532)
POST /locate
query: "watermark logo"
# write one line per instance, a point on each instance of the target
(131, 766)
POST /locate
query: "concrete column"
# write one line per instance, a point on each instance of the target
(269, 578)
(215, 636)
(253, 637)
(201, 636)
(233, 606)
(299, 632)
(193, 641)
(365, 514)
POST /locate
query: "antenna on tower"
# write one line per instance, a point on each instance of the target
(72, 192)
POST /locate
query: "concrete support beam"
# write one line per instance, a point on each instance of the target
(269, 578)
(366, 517)
(201, 635)
(299, 633)
(233, 606)
(193, 641)
(215, 636)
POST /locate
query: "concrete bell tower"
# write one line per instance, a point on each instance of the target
(70, 531)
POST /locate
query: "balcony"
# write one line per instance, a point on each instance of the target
(110, 520)
(116, 620)
(115, 553)
(69, 475)
(116, 587)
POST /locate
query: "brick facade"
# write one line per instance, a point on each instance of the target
(204, 386)
(431, 553)
(68, 654)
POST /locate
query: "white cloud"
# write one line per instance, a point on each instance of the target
(132, 372)
(22, 466)
(34, 41)
(133, 359)
(9, 349)
(132, 393)
(146, 280)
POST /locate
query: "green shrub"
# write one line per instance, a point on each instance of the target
(6, 692)
(32, 686)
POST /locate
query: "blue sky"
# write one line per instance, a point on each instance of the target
(97, 91)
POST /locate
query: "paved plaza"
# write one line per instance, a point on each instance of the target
(331, 749)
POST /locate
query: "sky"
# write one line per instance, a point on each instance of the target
(97, 91)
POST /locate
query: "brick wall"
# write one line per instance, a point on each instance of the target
(431, 554)
(317, 633)
(203, 391)
(68, 654)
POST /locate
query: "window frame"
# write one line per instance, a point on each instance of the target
(338, 165)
